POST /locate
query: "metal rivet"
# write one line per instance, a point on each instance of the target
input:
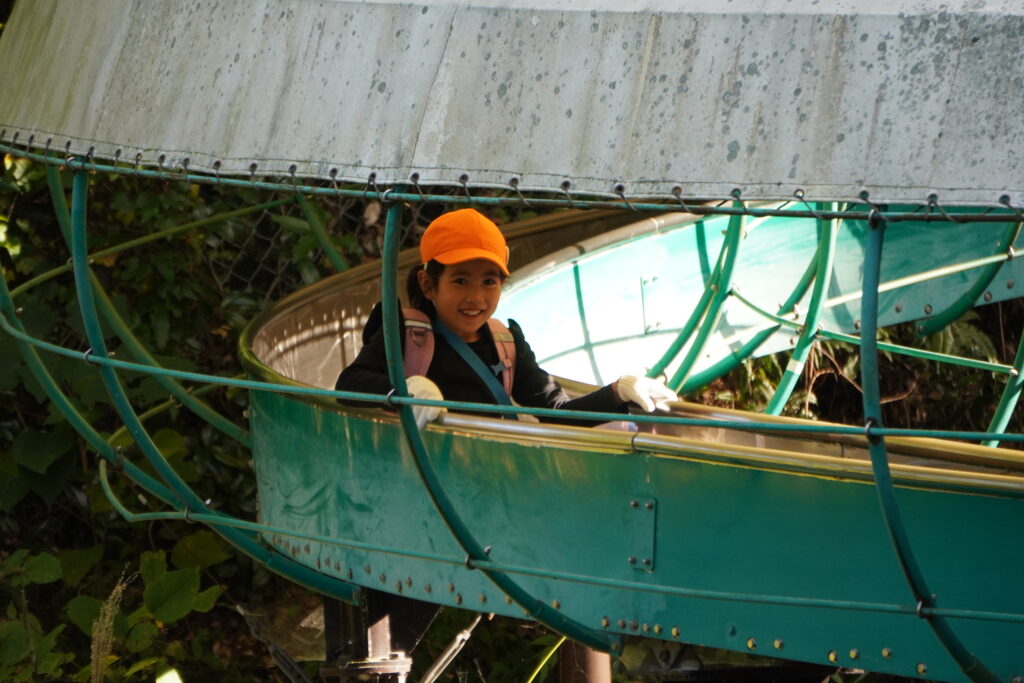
(508, 600)
(731, 630)
(988, 296)
(605, 621)
(928, 309)
(899, 308)
(483, 598)
(458, 599)
(778, 644)
(645, 628)
(832, 656)
(556, 604)
(922, 668)
(398, 586)
(634, 625)
(675, 631)
(856, 324)
(451, 587)
(337, 566)
(887, 652)
(366, 568)
(657, 628)
(647, 561)
(382, 578)
(854, 653)
(408, 581)
(631, 560)
(428, 588)
(634, 503)
(350, 573)
(751, 644)
(318, 563)
(1009, 285)
(621, 623)
(649, 505)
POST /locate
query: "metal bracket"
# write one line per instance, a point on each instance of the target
(641, 522)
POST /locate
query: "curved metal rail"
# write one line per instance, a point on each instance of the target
(179, 495)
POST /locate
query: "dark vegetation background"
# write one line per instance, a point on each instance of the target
(176, 596)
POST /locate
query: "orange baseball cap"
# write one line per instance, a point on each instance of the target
(464, 235)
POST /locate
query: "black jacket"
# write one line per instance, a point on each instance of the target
(533, 386)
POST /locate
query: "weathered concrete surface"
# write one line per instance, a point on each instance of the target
(896, 97)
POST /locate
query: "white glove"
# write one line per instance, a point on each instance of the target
(421, 387)
(646, 392)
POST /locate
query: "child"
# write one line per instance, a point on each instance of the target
(465, 263)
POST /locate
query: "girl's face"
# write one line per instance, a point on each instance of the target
(465, 295)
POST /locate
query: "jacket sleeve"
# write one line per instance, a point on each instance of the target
(368, 373)
(536, 388)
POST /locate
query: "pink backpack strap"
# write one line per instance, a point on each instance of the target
(506, 347)
(418, 349)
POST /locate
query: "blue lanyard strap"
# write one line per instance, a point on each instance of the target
(474, 362)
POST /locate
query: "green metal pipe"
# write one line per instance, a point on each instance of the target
(826, 253)
(1010, 396)
(885, 346)
(198, 407)
(888, 608)
(925, 276)
(734, 358)
(611, 201)
(94, 333)
(967, 299)
(329, 396)
(475, 552)
(733, 239)
(320, 230)
(68, 410)
(967, 662)
(582, 311)
(691, 323)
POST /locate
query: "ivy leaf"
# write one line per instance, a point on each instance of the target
(207, 599)
(14, 645)
(170, 442)
(37, 450)
(82, 611)
(144, 664)
(75, 564)
(41, 568)
(12, 486)
(171, 596)
(201, 549)
(49, 662)
(13, 561)
(152, 565)
(141, 636)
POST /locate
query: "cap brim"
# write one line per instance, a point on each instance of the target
(459, 255)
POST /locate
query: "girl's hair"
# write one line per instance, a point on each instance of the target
(417, 299)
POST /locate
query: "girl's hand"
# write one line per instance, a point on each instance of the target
(421, 387)
(649, 394)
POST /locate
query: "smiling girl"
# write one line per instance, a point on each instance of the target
(452, 296)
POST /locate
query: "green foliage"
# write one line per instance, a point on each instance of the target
(186, 297)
